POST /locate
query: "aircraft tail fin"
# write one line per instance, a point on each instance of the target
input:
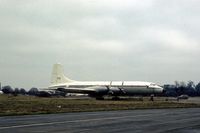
(58, 75)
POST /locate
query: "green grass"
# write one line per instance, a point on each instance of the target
(22, 105)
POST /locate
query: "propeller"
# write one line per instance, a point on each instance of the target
(109, 88)
(121, 89)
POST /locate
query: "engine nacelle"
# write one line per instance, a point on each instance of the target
(114, 91)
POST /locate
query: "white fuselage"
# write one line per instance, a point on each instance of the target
(115, 87)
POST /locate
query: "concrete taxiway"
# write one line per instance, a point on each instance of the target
(130, 121)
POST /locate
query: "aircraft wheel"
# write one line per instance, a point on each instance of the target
(115, 98)
(99, 98)
(152, 97)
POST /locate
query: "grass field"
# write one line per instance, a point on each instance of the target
(22, 105)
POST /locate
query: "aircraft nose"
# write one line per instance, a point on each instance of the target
(163, 90)
(160, 89)
(157, 89)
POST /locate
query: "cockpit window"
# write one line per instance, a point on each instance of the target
(153, 84)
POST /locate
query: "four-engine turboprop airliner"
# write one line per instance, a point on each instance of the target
(98, 89)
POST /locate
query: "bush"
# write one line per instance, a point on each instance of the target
(7, 89)
(33, 91)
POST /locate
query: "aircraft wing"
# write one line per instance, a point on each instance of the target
(94, 90)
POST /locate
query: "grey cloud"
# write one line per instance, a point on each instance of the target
(99, 40)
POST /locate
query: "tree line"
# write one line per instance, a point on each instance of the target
(182, 88)
(32, 92)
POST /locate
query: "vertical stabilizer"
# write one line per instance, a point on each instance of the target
(58, 75)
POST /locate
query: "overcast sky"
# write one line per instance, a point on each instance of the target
(142, 40)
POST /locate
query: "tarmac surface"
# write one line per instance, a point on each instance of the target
(129, 121)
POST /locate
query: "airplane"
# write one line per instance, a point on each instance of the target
(99, 89)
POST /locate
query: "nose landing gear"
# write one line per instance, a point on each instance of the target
(152, 97)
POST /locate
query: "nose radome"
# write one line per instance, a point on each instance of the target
(160, 89)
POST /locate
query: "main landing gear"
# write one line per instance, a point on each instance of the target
(115, 98)
(99, 98)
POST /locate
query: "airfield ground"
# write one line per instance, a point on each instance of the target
(23, 105)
